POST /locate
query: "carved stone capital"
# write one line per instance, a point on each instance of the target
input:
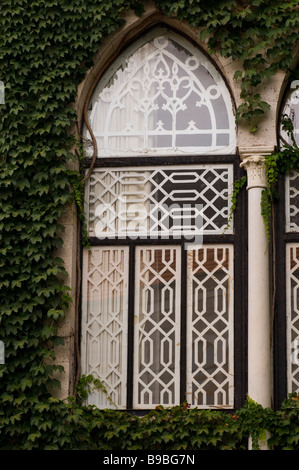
(253, 160)
(256, 172)
(259, 150)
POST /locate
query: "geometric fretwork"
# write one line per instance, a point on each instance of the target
(150, 201)
(162, 98)
(291, 111)
(292, 202)
(154, 330)
(105, 322)
(292, 287)
(210, 326)
(157, 326)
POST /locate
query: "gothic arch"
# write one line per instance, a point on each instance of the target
(134, 27)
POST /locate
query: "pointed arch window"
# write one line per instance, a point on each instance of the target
(287, 244)
(158, 292)
(162, 97)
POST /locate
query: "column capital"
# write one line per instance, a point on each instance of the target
(254, 151)
(254, 162)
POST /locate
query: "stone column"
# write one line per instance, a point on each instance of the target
(259, 324)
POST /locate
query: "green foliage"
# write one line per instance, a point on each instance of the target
(262, 34)
(238, 186)
(86, 385)
(279, 429)
(50, 424)
(77, 182)
(285, 425)
(46, 49)
(277, 164)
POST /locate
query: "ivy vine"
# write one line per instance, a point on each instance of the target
(261, 34)
(238, 185)
(46, 49)
(279, 163)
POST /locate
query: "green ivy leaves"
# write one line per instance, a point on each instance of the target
(262, 34)
(278, 163)
(45, 51)
(46, 48)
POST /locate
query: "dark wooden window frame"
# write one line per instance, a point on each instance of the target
(281, 239)
(239, 241)
(279, 299)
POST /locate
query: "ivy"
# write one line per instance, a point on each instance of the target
(46, 49)
(237, 188)
(279, 163)
(71, 425)
(77, 181)
(261, 34)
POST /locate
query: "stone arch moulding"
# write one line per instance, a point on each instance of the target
(133, 28)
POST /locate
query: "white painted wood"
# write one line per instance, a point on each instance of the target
(210, 326)
(156, 373)
(292, 313)
(162, 96)
(189, 200)
(105, 322)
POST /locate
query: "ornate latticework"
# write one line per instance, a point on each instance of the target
(292, 285)
(291, 111)
(210, 326)
(292, 202)
(105, 322)
(157, 326)
(163, 97)
(155, 201)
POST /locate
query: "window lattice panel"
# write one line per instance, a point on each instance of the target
(149, 201)
(157, 327)
(210, 326)
(105, 322)
(291, 111)
(162, 97)
(292, 202)
(292, 282)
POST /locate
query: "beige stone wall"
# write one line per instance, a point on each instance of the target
(66, 354)
(264, 137)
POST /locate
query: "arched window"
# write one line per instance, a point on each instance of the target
(287, 279)
(159, 280)
(162, 97)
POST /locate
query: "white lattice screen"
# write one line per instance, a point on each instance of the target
(162, 97)
(291, 110)
(292, 286)
(157, 326)
(292, 201)
(186, 200)
(210, 332)
(105, 322)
